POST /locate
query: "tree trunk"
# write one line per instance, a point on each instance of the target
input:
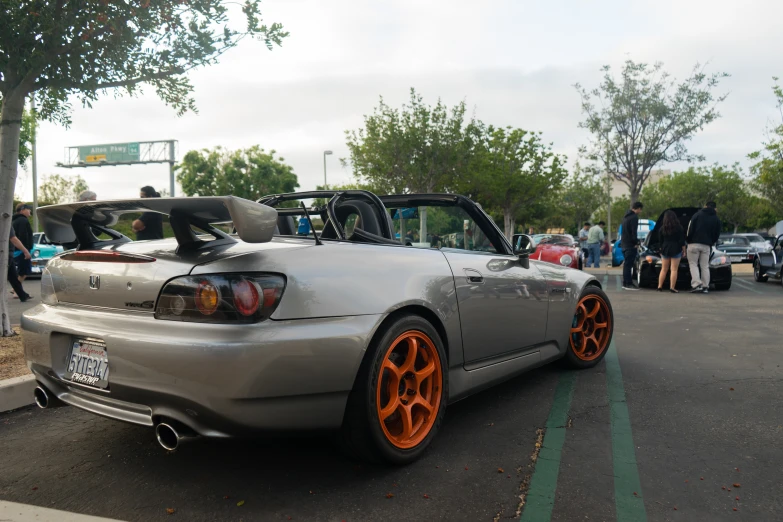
(634, 195)
(10, 128)
(508, 223)
(735, 228)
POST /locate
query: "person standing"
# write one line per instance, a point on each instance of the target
(24, 232)
(13, 277)
(672, 239)
(150, 224)
(595, 236)
(583, 239)
(629, 242)
(703, 232)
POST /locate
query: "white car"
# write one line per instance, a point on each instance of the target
(758, 243)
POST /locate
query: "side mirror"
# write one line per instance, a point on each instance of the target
(523, 245)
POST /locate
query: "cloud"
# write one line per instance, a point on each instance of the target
(514, 63)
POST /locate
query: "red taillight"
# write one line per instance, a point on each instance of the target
(106, 256)
(221, 298)
(246, 297)
(271, 295)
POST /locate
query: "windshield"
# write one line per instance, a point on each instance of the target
(736, 241)
(755, 238)
(553, 239)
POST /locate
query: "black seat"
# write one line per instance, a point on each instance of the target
(368, 221)
(286, 226)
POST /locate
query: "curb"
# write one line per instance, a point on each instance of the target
(16, 393)
(13, 512)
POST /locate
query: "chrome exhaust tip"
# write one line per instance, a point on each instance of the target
(170, 437)
(41, 397)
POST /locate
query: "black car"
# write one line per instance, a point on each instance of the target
(769, 265)
(648, 262)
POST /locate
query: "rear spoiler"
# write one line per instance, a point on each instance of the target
(75, 222)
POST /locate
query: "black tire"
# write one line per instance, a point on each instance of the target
(571, 358)
(723, 286)
(636, 274)
(361, 435)
(757, 273)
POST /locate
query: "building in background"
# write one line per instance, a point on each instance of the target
(620, 189)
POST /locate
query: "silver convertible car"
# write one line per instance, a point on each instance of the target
(246, 323)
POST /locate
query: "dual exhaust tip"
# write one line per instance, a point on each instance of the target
(45, 399)
(169, 434)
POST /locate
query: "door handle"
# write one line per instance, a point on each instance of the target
(474, 276)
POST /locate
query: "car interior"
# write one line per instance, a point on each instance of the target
(354, 216)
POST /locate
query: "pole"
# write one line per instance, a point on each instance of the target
(171, 167)
(326, 187)
(35, 168)
(609, 206)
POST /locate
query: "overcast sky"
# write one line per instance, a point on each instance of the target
(513, 62)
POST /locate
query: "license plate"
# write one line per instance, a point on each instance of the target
(88, 363)
(736, 259)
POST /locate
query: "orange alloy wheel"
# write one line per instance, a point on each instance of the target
(409, 389)
(591, 327)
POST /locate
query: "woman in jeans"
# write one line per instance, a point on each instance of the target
(672, 249)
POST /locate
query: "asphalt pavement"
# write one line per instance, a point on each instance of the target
(17, 308)
(686, 404)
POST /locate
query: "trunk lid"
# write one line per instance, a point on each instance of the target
(132, 274)
(684, 214)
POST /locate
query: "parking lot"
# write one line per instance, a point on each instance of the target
(699, 376)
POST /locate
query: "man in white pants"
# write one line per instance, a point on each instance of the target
(703, 232)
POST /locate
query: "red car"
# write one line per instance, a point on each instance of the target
(558, 249)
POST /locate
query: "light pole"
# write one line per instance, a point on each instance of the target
(326, 153)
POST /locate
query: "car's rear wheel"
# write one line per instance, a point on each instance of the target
(399, 398)
(591, 329)
(757, 275)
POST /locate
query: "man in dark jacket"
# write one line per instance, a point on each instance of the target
(24, 232)
(629, 242)
(703, 232)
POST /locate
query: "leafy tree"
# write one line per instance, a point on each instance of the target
(419, 148)
(59, 189)
(582, 194)
(249, 173)
(65, 49)
(644, 118)
(29, 127)
(768, 169)
(738, 206)
(619, 207)
(511, 169)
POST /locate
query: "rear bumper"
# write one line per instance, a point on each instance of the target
(720, 275)
(219, 380)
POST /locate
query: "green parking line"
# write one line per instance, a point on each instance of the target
(606, 282)
(540, 498)
(618, 282)
(629, 504)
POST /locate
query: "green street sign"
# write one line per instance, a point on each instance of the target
(110, 153)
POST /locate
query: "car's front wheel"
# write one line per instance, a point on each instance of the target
(591, 329)
(399, 398)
